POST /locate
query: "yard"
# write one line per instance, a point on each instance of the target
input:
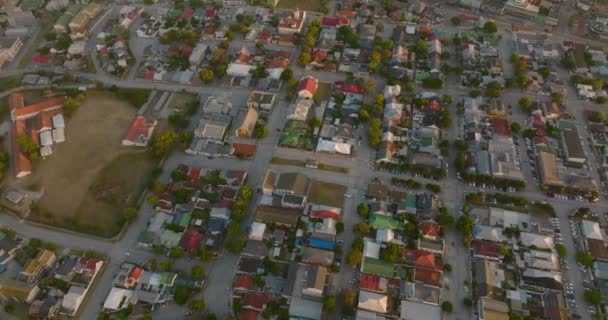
(91, 177)
(323, 92)
(308, 5)
(327, 193)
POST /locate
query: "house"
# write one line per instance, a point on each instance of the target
(155, 287)
(245, 130)
(9, 47)
(119, 299)
(35, 267)
(139, 133)
(293, 183)
(269, 181)
(18, 291)
(578, 56)
(191, 240)
(304, 309)
(300, 110)
(243, 150)
(574, 154)
(314, 283)
(72, 300)
(261, 101)
(490, 309)
(307, 87)
(293, 24)
(373, 302)
(415, 310)
(44, 309)
(198, 54)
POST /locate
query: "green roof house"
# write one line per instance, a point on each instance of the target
(185, 219)
(378, 267)
(380, 221)
(410, 203)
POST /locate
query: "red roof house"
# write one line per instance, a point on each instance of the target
(428, 277)
(322, 214)
(538, 121)
(344, 87)
(334, 21)
(139, 132)
(501, 126)
(255, 301)
(372, 282)
(187, 13)
(419, 258)
(209, 14)
(191, 240)
(485, 249)
(243, 282)
(248, 315)
(244, 150)
(346, 13)
(429, 229)
(307, 87)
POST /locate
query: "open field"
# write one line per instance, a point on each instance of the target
(91, 177)
(327, 193)
(308, 5)
(323, 92)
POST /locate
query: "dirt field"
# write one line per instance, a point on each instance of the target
(327, 193)
(91, 177)
(308, 5)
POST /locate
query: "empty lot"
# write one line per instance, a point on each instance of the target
(91, 177)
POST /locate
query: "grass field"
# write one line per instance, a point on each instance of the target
(308, 5)
(91, 177)
(327, 193)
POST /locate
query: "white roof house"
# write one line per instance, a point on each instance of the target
(58, 135)
(414, 310)
(303, 309)
(300, 110)
(46, 138)
(238, 70)
(481, 232)
(373, 302)
(385, 235)
(328, 226)
(198, 53)
(46, 151)
(72, 300)
(222, 213)
(392, 91)
(334, 147)
(118, 299)
(371, 249)
(58, 121)
(591, 230)
(537, 240)
(257, 231)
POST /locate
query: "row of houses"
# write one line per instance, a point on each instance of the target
(512, 271)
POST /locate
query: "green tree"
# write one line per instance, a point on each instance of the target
(197, 272)
(525, 103)
(286, 74)
(304, 59)
(130, 214)
(593, 296)
(445, 220)
(329, 303)
(363, 115)
(561, 250)
(515, 127)
(364, 228)
(196, 305)
(447, 307)
(363, 209)
(260, 131)
(206, 75)
(355, 257)
(177, 252)
(455, 20)
(447, 267)
(490, 27)
(584, 258)
(163, 142)
(28, 146)
(181, 295)
(340, 227)
(392, 252)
